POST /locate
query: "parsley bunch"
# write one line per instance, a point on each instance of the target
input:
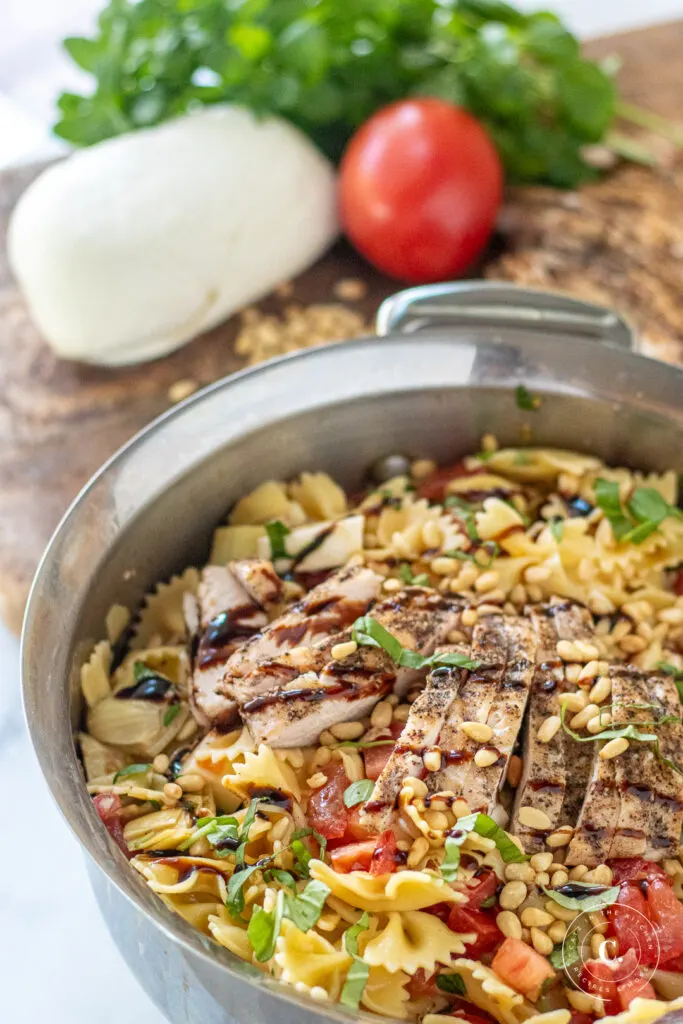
(327, 66)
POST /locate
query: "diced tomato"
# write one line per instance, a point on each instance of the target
(355, 830)
(384, 859)
(581, 1018)
(376, 757)
(440, 910)
(673, 965)
(422, 985)
(666, 915)
(481, 888)
(630, 923)
(597, 978)
(678, 583)
(468, 919)
(635, 987)
(634, 869)
(353, 856)
(466, 1011)
(434, 487)
(108, 807)
(327, 813)
(521, 967)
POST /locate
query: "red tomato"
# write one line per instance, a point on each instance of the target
(466, 1011)
(384, 857)
(630, 922)
(678, 583)
(420, 188)
(634, 869)
(327, 813)
(353, 856)
(598, 979)
(581, 1018)
(521, 967)
(666, 915)
(635, 987)
(355, 830)
(433, 488)
(108, 807)
(481, 888)
(467, 919)
(376, 757)
(422, 985)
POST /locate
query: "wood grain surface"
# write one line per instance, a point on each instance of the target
(59, 421)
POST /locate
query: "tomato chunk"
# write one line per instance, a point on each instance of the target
(384, 859)
(434, 487)
(108, 807)
(666, 915)
(481, 888)
(355, 829)
(469, 919)
(630, 922)
(353, 856)
(422, 985)
(376, 757)
(327, 813)
(634, 869)
(598, 979)
(466, 1011)
(521, 967)
(678, 583)
(634, 987)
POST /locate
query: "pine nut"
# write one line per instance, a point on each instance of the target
(416, 786)
(599, 723)
(577, 873)
(514, 772)
(581, 1001)
(460, 808)
(633, 644)
(191, 783)
(541, 861)
(548, 729)
(532, 917)
(487, 581)
(469, 616)
(541, 942)
(431, 534)
(401, 713)
(160, 763)
(436, 820)
(391, 585)
(674, 616)
(341, 651)
(418, 850)
(172, 791)
(422, 468)
(583, 717)
(381, 715)
(601, 875)
(518, 594)
(560, 913)
(323, 755)
(558, 878)
(492, 609)
(456, 637)
(598, 920)
(614, 747)
(537, 574)
(347, 730)
(489, 443)
(432, 760)
(572, 673)
(326, 738)
(589, 671)
(542, 878)
(477, 731)
(509, 924)
(534, 592)
(443, 566)
(532, 817)
(600, 690)
(485, 757)
(561, 837)
(519, 872)
(573, 701)
(298, 656)
(317, 781)
(577, 650)
(512, 895)
(557, 931)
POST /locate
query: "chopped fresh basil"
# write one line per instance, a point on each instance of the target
(567, 952)
(406, 574)
(451, 862)
(489, 547)
(464, 510)
(171, 712)
(629, 732)
(277, 531)
(485, 826)
(283, 877)
(675, 673)
(131, 769)
(557, 528)
(225, 833)
(489, 902)
(358, 971)
(358, 792)
(451, 983)
(142, 672)
(305, 909)
(370, 633)
(360, 745)
(645, 511)
(302, 855)
(589, 902)
(235, 897)
(525, 400)
(264, 929)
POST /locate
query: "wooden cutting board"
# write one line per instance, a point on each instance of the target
(59, 421)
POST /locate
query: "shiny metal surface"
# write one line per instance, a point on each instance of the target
(152, 508)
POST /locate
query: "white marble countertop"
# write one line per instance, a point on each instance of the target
(58, 963)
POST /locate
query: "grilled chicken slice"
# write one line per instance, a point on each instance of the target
(482, 785)
(598, 816)
(325, 610)
(261, 582)
(421, 733)
(294, 714)
(226, 615)
(473, 704)
(555, 773)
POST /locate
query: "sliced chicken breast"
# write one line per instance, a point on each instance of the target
(598, 816)
(294, 714)
(421, 733)
(555, 773)
(225, 617)
(261, 582)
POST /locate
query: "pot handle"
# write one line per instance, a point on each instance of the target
(488, 304)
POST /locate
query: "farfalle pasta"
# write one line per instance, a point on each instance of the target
(286, 742)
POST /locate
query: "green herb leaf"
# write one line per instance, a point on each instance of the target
(358, 972)
(451, 862)
(264, 929)
(525, 400)
(305, 909)
(283, 877)
(361, 745)
(406, 574)
(235, 892)
(172, 711)
(485, 826)
(131, 769)
(567, 952)
(557, 529)
(451, 983)
(370, 633)
(588, 903)
(646, 509)
(358, 792)
(142, 672)
(277, 531)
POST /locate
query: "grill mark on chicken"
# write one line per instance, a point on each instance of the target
(598, 816)
(482, 785)
(546, 784)
(328, 691)
(261, 582)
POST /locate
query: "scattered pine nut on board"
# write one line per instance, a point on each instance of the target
(60, 420)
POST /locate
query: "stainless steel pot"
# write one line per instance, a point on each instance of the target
(443, 374)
